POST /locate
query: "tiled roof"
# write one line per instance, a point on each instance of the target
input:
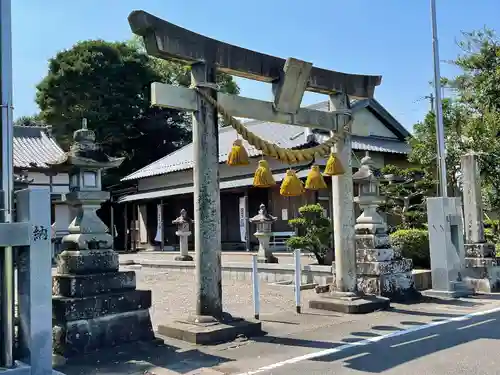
(286, 136)
(34, 147)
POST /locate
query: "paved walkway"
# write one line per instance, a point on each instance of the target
(435, 337)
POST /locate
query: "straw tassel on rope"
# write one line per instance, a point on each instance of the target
(334, 166)
(263, 176)
(315, 180)
(238, 155)
(291, 185)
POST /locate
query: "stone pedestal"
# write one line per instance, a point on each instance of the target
(183, 246)
(265, 254)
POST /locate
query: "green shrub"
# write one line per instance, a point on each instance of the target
(413, 244)
(314, 233)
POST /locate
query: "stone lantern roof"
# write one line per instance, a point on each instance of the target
(367, 171)
(85, 152)
(263, 216)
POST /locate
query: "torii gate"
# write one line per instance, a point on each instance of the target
(290, 79)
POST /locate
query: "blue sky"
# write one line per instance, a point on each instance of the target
(387, 37)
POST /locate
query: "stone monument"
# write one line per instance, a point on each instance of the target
(446, 242)
(183, 232)
(264, 222)
(94, 304)
(481, 265)
(381, 270)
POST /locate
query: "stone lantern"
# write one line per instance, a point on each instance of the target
(183, 223)
(380, 269)
(264, 222)
(368, 197)
(94, 304)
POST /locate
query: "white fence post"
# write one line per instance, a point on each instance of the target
(298, 279)
(255, 287)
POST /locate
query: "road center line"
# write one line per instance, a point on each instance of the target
(476, 324)
(368, 341)
(414, 341)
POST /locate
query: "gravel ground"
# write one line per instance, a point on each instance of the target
(174, 295)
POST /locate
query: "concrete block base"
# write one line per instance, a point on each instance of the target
(458, 290)
(350, 305)
(211, 331)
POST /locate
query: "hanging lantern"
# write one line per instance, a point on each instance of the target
(334, 166)
(315, 180)
(291, 185)
(263, 176)
(238, 155)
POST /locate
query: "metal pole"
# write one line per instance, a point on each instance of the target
(298, 279)
(7, 308)
(255, 287)
(441, 150)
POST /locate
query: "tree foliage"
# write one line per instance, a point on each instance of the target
(471, 119)
(314, 233)
(405, 191)
(108, 83)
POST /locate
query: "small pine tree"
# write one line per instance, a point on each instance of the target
(314, 233)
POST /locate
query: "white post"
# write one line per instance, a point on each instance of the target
(298, 279)
(255, 287)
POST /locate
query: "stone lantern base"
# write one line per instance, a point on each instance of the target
(382, 270)
(95, 305)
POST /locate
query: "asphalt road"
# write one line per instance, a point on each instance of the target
(455, 346)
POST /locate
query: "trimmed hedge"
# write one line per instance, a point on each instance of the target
(413, 244)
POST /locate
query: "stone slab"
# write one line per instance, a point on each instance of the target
(357, 305)
(66, 309)
(78, 286)
(481, 262)
(210, 333)
(374, 255)
(384, 268)
(84, 262)
(480, 250)
(370, 241)
(398, 287)
(446, 293)
(79, 337)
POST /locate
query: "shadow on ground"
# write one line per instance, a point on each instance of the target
(394, 351)
(140, 358)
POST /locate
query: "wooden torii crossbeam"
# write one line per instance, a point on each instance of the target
(290, 79)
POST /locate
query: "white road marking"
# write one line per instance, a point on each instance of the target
(414, 341)
(368, 341)
(476, 324)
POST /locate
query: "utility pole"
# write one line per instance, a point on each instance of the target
(441, 151)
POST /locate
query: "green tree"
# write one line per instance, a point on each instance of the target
(424, 143)
(405, 191)
(109, 84)
(33, 120)
(314, 233)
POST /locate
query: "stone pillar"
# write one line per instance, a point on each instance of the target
(475, 243)
(480, 256)
(381, 270)
(94, 304)
(264, 222)
(343, 208)
(183, 231)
